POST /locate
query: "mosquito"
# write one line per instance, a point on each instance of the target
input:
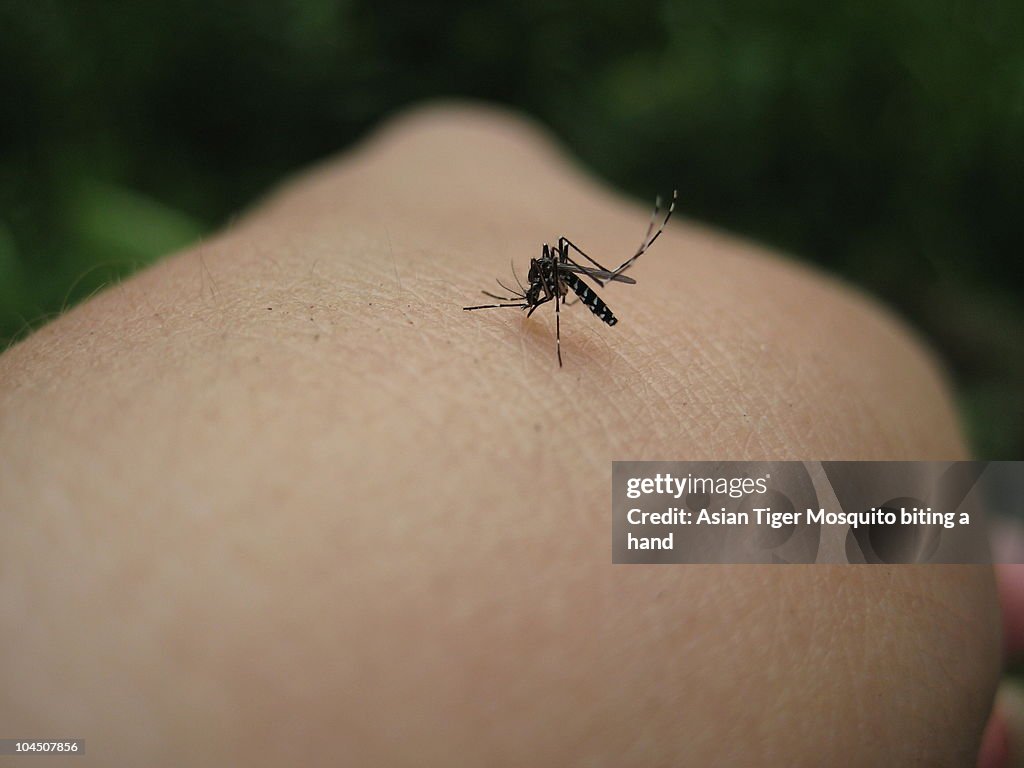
(556, 272)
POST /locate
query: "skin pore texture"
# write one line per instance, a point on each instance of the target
(278, 499)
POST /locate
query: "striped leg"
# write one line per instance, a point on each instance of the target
(648, 241)
(558, 329)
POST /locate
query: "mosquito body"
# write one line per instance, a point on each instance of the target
(556, 273)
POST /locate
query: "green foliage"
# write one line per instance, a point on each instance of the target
(882, 140)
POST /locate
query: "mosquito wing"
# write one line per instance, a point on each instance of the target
(600, 274)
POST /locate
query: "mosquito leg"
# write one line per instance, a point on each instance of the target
(650, 224)
(564, 241)
(494, 306)
(558, 331)
(648, 242)
(564, 258)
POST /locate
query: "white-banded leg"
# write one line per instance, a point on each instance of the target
(558, 329)
(648, 241)
(564, 243)
(494, 306)
(552, 292)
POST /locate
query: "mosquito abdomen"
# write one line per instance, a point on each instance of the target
(591, 299)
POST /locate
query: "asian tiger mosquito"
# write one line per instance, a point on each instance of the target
(555, 272)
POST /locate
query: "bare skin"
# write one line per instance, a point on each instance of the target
(278, 499)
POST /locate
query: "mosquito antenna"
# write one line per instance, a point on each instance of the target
(517, 295)
(512, 263)
(499, 298)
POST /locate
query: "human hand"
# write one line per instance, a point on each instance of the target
(279, 499)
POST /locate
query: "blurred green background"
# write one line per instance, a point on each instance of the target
(880, 139)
